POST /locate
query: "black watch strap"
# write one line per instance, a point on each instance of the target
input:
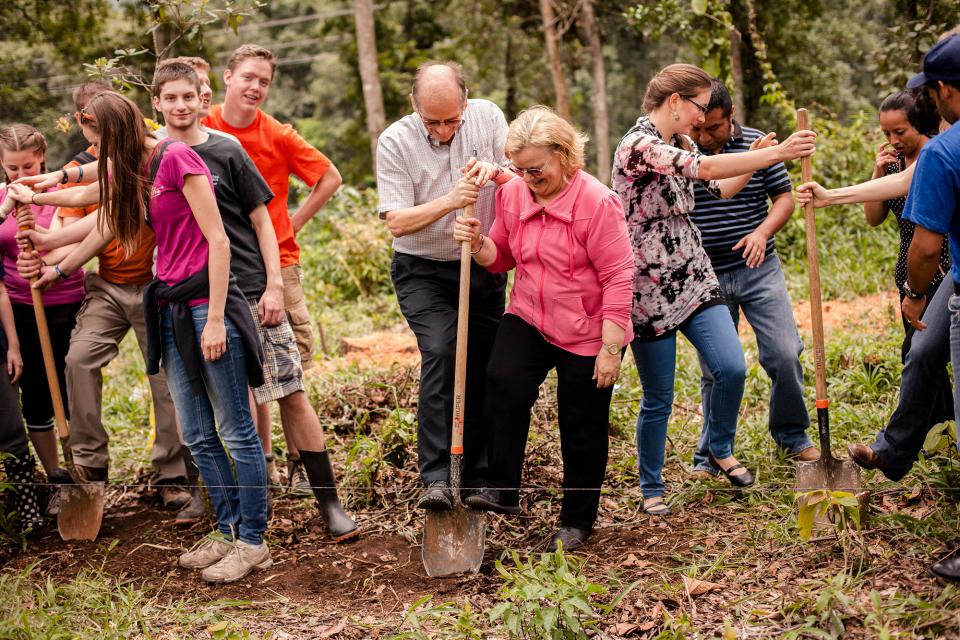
(910, 293)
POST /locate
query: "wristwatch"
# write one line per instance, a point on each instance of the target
(908, 292)
(613, 348)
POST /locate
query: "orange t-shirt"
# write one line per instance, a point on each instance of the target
(277, 150)
(113, 264)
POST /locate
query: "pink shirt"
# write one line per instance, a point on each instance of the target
(182, 249)
(574, 261)
(61, 292)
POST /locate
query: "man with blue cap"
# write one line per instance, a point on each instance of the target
(934, 206)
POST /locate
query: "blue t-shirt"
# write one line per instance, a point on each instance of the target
(934, 198)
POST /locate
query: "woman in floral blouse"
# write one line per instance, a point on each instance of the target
(674, 285)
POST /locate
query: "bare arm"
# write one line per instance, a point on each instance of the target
(402, 222)
(14, 359)
(270, 307)
(53, 178)
(75, 198)
(67, 259)
(70, 234)
(923, 260)
(895, 185)
(322, 191)
(729, 165)
(754, 244)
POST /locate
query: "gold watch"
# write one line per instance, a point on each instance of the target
(613, 348)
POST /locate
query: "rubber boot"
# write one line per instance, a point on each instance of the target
(340, 526)
(28, 498)
(196, 508)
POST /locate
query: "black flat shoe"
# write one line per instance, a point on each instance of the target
(569, 538)
(491, 500)
(436, 497)
(947, 568)
(741, 480)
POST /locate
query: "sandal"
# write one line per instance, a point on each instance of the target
(655, 506)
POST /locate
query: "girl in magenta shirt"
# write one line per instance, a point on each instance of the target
(22, 151)
(565, 234)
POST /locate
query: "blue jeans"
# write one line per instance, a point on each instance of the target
(762, 295)
(239, 501)
(925, 389)
(712, 333)
(955, 351)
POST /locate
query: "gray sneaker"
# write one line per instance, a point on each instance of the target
(297, 476)
(209, 551)
(241, 560)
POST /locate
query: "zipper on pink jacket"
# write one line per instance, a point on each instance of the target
(543, 225)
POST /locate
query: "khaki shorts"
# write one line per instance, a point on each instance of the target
(297, 312)
(282, 372)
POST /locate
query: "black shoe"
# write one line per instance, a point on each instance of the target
(340, 526)
(741, 480)
(947, 568)
(436, 497)
(569, 538)
(491, 500)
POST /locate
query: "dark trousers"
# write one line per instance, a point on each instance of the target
(926, 394)
(13, 434)
(520, 361)
(428, 293)
(61, 318)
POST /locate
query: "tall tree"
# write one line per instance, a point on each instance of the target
(369, 72)
(601, 121)
(549, 18)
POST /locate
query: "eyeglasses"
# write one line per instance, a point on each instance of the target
(702, 108)
(533, 172)
(435, 124)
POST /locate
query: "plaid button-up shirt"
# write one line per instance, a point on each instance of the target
(413, 168)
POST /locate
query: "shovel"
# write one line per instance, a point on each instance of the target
(81, 505)
(453, 540)
(827, 472)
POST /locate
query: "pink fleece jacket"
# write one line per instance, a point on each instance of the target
(574, 261)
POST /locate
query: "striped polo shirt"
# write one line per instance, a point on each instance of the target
(723, 222)
(413, 168)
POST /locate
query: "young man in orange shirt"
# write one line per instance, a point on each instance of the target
(278, 151)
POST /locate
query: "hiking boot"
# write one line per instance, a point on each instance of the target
(56, 478)
(241, 560)
(209, 551)
(173, 496)
(297, 480)
(864, 456)
(340, 526)
(194, 510)
(28, 496)
(808, 454)
(274, 479)
(436, 497)
(491, 500)
(91, 474)
(568, 538)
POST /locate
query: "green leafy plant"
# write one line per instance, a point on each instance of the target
(427, 621)
(840, 508)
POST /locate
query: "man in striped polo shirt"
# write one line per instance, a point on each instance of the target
(738, 236)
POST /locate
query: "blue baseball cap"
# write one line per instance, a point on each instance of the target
(942, 62)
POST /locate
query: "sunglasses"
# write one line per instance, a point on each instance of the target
(533, 172)
(702, 108)
(83, 116)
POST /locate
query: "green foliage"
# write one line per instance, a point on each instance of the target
(428, 621)
(840, 508)
(940, 437)
(550, 598)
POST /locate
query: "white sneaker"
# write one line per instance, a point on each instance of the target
(210, 550)
(242, 559)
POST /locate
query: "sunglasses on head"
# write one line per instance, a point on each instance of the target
(83, 116)
(533, 172)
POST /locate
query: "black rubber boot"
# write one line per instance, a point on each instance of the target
(28, 497)
(340, 526)
(196, 508)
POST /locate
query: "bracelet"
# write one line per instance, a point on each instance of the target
(33, 200)
(63, 276)
(80, 177)
(64, 179)
(483, 239)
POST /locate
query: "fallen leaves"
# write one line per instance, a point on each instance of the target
(694, 587)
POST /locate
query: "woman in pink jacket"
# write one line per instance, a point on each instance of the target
(569, 310)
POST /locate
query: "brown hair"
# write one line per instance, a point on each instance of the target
(23, 137)
(123, 189)
(540, 126)
(174, 71)
(684, 79)
(247, 51)
(458, 77)
(197, 64)
(86, 91)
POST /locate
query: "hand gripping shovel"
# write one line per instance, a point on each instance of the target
(827, 472)
(453, 540)
(81, 505)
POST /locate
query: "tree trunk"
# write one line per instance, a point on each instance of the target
(549, 18)
(369, 73)
(510, 76)
(600, 117)
(736, 70)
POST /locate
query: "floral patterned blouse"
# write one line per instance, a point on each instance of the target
(673, 277)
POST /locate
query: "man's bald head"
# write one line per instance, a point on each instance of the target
(439, 82)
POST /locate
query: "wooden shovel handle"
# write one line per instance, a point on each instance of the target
(53, 381)
(813, 264)
(463, 317)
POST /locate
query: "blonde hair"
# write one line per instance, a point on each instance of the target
(687, 80)
(540, 126)
(247, 51)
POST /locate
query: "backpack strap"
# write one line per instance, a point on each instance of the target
(155, 159)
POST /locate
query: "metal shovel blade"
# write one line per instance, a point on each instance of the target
(81, 510)
(829, 473)
(453, 541)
